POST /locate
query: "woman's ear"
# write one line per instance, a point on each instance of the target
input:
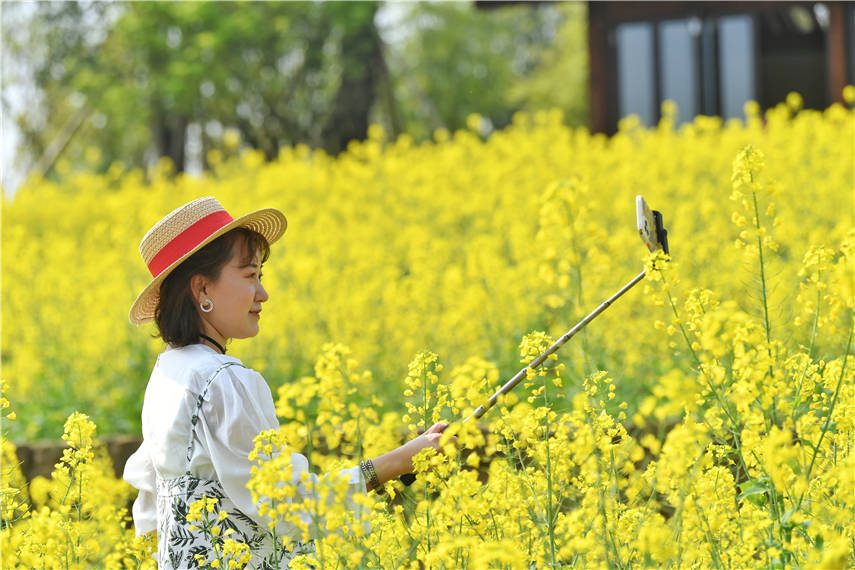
(197, 286)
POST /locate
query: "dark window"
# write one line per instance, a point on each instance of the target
(636, 74)
(678, 64)
(792, 56)
(736, 64)
(850, 44)
(713, 64)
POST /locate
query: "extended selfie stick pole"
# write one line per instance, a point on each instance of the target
(518, 377)
(408, 478)
(655, 237)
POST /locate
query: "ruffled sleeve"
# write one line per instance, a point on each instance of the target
(139, 472)
(238, 406)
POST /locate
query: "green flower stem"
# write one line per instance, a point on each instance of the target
(275, 538)
(426, 399)
(611, 549)
(708, 534)
(762, 270)
(833, 402)
(734, 425)
(810, 355)
(550, 516)
(830, 410)
(710, 385)
(765, 299)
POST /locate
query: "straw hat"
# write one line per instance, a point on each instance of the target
(185, 231)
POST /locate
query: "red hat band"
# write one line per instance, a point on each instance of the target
(187, 240)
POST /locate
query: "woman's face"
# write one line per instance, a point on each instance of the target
(237, 296)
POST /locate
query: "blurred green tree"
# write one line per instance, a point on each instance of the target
(492, 60)
(560, 78)
(141, 80)
(137, 75)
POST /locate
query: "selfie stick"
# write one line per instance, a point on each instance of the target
(659, 241)
(655, 236)
(510, 384)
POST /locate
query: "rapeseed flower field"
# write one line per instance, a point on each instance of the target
(706, 420)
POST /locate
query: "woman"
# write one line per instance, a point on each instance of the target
(202, 408)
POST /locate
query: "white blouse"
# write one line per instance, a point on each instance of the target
(237, 407)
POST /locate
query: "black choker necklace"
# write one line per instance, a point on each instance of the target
(215, 343)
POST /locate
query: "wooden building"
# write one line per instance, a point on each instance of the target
(712, 57)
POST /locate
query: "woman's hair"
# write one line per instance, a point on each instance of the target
(177, 314)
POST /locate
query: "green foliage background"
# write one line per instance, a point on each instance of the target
(141, 80)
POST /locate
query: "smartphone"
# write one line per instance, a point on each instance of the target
(650, 226)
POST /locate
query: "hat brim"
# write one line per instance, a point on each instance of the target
(269, 222)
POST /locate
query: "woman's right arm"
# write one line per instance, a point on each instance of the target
(399, 461)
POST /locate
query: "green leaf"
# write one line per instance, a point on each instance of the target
(754, 491)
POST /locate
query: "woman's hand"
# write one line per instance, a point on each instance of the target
(400, 461)
(430, 438)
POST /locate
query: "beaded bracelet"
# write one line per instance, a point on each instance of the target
(371, 480)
